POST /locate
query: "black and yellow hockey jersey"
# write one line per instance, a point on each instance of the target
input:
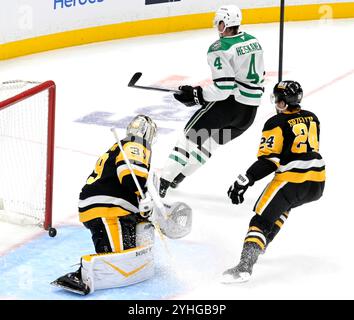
(110, 190)
(291, 141)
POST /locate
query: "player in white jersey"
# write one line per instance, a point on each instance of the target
(228, 105)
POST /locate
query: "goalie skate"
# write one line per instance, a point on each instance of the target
(72, 282)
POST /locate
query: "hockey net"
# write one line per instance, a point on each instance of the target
(27, 112)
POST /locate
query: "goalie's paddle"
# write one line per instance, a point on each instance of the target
(153, 192)
(137, 76)
(157, 201)
(127, 162)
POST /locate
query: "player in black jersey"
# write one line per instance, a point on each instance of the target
(110, 191)
(110, 204)
(290, 148)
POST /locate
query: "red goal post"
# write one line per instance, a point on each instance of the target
(27, 123)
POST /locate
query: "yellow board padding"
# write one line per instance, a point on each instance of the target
(168, 24)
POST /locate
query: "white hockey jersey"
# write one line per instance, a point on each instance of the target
(237, 68)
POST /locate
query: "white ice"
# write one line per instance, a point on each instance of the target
(312, 257)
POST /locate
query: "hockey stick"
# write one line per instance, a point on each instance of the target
(156, 201)
(127, 162)
(154, 195)
(137, 76)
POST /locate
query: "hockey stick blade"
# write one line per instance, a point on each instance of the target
(134, 79)
(137, 76)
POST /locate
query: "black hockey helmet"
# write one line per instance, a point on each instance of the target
(288, 91)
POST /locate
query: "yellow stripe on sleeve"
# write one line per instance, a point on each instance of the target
(135, 152)
(271, 142)
(126, 172)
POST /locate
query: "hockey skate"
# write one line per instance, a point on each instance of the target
(160, 184)
(243, 271)
(164, 185)
(238, 274)
(72, 282)
(176, 181)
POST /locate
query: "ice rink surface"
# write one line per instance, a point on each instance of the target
(312, 257)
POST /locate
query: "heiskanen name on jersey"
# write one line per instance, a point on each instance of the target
(240, 74)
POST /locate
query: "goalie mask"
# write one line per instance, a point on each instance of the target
(231, 16)
(143, 127)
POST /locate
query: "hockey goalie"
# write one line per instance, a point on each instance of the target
(123, 217)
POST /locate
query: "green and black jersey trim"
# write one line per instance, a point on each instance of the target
(224, 44)
(228, 83)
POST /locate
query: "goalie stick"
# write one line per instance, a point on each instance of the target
(137, 76)
(154, 195)
(171, 214)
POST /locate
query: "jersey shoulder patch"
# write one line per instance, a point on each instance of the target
(225, 44)
(216, 46)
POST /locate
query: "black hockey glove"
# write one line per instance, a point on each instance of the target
(239, 187)
(190, 96)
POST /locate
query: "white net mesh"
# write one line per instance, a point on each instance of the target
(23, 155)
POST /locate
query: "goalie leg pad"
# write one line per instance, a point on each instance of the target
(113, 270)
(145, 234)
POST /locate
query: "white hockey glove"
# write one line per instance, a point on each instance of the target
(146, 205)
(237, 190)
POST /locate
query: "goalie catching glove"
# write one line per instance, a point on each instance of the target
(190, 96)
(178, 221)
(237, 190)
